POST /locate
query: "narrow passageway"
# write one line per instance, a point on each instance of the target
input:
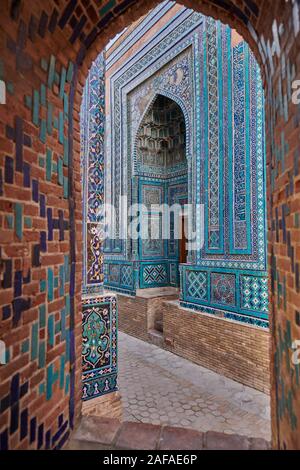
(159, 387)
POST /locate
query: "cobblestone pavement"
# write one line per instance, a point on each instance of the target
(159, 387)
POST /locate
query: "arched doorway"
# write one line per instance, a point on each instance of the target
(161, 169)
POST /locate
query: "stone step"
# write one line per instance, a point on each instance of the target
(95, 433)
(156, 337)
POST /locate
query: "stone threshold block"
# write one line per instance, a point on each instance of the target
(96, 433)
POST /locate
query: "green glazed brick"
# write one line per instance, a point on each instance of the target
(105, 9)
(70, 72)
(19, 220)
(66, 107)
(61, 280)
(42, 316)
(60, 174)
(34, 341)
(10, 88)
(49, 382)
(66, 152)
(36, 108)
(43, 131)
(42, 355)
(67, 345)
(7, 356)
(50, 285)
(48, 164)
(28, 102)
(42, 389)
(63, 324)
(43, 95)
(63, 77)
(67, 269)
(61, 127)
(66, 187)
(51, 335)
(25, 346)
(28, 222)
(67, 384)
(67, 303)
(41, 162)
(43, 285)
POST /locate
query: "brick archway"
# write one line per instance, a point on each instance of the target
(47, 48)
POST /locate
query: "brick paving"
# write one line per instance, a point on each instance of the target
(160, 388)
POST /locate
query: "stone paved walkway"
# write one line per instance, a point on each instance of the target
(159, 387)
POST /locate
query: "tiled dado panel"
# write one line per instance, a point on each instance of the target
(241, 296)
(120, 276)
(126, 277)
(99, 346)
(154, 274)
(74, 31)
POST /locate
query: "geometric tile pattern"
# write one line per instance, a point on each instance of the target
(155, 274)
(126, 276)
(254, 292)
(197, 284)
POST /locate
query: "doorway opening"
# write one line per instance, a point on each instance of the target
(169, 141)
(160, 172)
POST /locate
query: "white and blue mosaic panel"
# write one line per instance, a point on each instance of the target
(99, 346)
(241, 293)
(197, 285)
(255, 293)
(154, 275)
(119, 276)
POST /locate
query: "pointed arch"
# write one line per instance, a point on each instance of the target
(187, 121)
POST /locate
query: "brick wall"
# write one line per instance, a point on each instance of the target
(233, 349)
(133, 316)
(38, 42)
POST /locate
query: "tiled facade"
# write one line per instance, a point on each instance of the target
(213, 80)
(47, 49)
